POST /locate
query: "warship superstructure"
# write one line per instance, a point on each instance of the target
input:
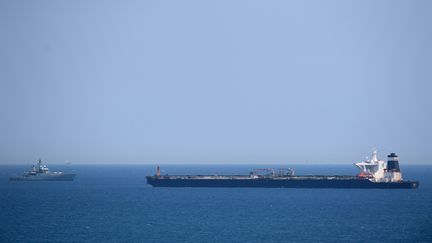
(40, 172)
(374, 173)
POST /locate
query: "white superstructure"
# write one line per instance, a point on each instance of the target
(380, 171)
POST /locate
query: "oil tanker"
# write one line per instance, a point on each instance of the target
(374, 173)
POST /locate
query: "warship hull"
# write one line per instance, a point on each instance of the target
(44, 177)
(294, 182)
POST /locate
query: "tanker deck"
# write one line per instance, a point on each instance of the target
(374, 173)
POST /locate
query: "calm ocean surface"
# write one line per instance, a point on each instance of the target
(112, 203)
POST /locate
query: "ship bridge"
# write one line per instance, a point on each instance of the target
(379, 170)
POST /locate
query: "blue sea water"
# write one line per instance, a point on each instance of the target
(113, 203)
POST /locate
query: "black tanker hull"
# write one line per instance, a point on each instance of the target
(276, 183)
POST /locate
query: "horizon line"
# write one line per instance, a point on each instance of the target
(199, 163)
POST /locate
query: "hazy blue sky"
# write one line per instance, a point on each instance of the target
(215, 81)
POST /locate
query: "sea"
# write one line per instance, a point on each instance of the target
(113, 203)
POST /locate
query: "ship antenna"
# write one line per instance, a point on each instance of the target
(374, 155)
(39, 169)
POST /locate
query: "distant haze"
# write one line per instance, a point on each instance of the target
(215, 81)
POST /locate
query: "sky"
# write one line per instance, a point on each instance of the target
(215, 81)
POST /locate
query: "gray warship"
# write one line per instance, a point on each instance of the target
(41, 172)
